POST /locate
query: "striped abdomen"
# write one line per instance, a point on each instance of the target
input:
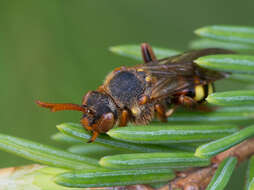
(198, 91)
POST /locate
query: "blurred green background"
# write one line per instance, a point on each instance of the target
(57, 50)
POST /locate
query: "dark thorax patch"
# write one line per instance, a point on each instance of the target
(125, 87)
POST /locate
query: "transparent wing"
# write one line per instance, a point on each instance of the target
(176, 73)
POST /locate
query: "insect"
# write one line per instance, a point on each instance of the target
(137, 93)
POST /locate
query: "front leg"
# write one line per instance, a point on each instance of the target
(124, 118)
(161, 113)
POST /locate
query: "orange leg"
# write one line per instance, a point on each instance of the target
(191, 103)
(105, 123)
(95, 135)
(187, 101)
(160, 110)
(85, 123)
(60, 107)
(171, 111)
(124, 118)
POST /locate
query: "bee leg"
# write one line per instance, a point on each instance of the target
(124, 118)
(160, 110)
(60, 107)
(85, 124)
(89, 128)
(147, 53)
(186, 101)
(95, 135)
(105, 123)
(171, 111)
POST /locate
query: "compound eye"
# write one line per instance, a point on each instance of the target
(106, 122)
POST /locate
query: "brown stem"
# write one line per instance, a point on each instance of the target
(242, 151)
(198, 179)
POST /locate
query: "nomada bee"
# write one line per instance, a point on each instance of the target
(136, 94)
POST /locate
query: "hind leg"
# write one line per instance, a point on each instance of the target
(191, 103)
(124, 118)
(186, 101)
(160, 111)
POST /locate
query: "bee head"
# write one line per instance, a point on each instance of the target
(101, 113)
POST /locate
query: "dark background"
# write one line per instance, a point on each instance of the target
(57, 50)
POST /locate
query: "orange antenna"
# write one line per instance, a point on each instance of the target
(60, 107)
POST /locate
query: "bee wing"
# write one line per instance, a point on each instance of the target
(190, 56)
(167, 70)
(176, 73)
(180, 64)
(178, 79)
(167, 87)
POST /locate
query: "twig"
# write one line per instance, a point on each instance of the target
(242, 151)
(195, 180)
(199, 178)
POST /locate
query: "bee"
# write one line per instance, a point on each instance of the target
(137, 93)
